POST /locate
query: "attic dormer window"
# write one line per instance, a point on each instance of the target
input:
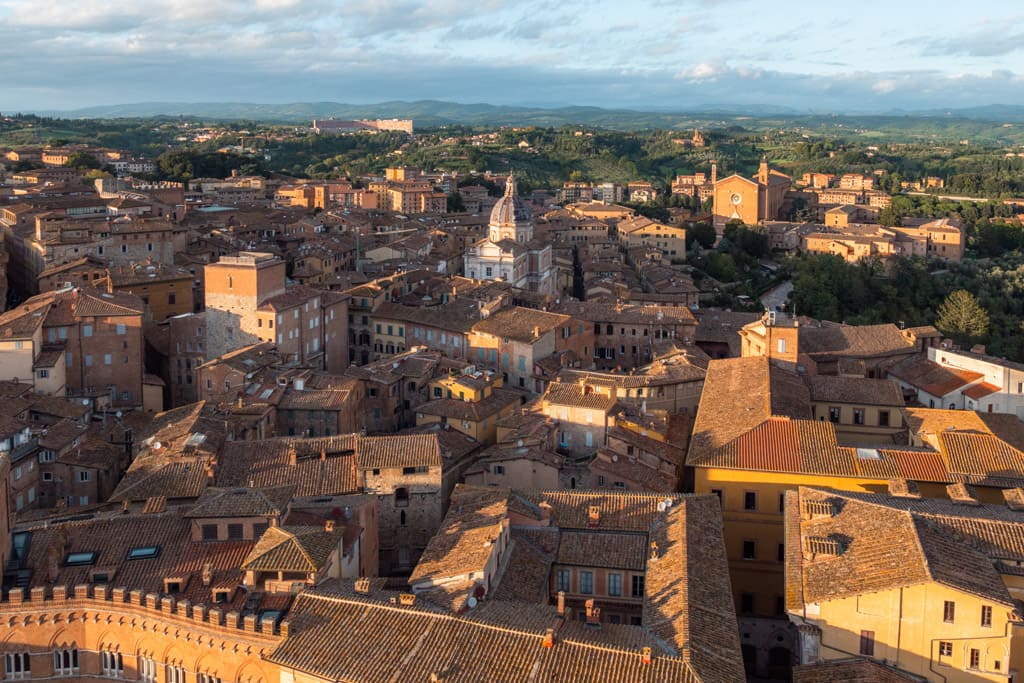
(812, 509)
(823, 546)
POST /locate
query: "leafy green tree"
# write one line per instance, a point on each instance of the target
(702, 233)
(82, 160)
(748, 240)
(962, 317)
(455, 203)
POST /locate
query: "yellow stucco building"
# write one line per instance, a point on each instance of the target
(757, 436)
(931, 587)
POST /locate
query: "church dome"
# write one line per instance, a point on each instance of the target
(511, 210)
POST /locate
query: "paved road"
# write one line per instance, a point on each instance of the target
(774, 298)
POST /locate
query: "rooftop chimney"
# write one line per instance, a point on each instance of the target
(593, 614)
(549, 638)
(645, 655)
(207, 574)
(593, 516)
(362, 585)
(561, 602)
(329, 525)
(545, 511)
(1014, 498)
(962, 494)
(904, 488)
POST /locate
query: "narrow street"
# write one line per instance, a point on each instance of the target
(776, 297)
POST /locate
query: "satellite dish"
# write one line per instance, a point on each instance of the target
(118, 414)
(85, 401)
(661, 506)
(472, 602)
(157, 445)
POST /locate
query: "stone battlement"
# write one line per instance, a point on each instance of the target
(105, 597)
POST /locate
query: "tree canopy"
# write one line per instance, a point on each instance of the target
(962, 318)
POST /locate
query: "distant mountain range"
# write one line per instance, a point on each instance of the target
(431, 113)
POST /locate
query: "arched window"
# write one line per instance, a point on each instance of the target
(176, 674)
(402, 497)
(65, 661)
(113, 663)
(147, 668)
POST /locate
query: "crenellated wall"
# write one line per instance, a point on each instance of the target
(95, 618)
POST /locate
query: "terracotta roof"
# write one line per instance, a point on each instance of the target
(154, 474)
(269, 463)
(984, 448)
(616, 467)
(457, 409)
(93, 303)
(694, 615)
(527, 576)
(464, 543)
(627, 511)
(294, 295)
(853, 340)
(628, 314)
(111, 538)
(915, 465)
(604, 549)
(857, 670)
(579, 396)
(739, 395)
(314, 399)
(293, 549)
(860, 390)
(924, 540)
(407, 450)
(519, 323)
(932, 378)
(242, 502)
(981, 390)
(414, 642)
(22, 321)
(62, 433)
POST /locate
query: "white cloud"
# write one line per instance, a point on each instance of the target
(884, 86)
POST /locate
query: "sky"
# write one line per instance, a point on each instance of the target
(655, 54)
